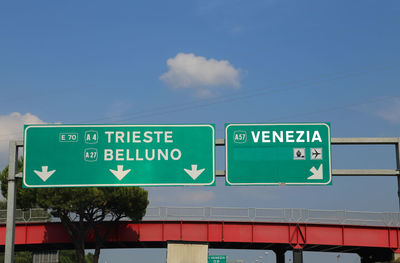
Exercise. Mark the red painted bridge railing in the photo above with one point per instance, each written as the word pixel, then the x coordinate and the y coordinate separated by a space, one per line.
pixel 220 234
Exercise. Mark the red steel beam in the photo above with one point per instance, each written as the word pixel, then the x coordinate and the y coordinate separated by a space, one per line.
pixel 295 235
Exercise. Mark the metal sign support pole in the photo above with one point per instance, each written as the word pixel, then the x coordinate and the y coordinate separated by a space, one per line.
pixel 11 201
pixel 398 168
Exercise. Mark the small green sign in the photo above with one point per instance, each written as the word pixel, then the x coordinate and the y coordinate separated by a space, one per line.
pixel 216 259
pixel 118 155
pixel 276 154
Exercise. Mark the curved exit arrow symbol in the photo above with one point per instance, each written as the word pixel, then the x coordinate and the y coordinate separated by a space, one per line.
pixel 44 174
pixel 194 173
pixel 120 173
pixel 317 174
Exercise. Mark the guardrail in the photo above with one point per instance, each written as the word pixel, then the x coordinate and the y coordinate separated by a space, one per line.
pixel 292 215
pixel 295 215
pixel 29 215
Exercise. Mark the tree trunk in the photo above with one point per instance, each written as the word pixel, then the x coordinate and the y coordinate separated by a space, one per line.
pixel 80 254
pixel 96 255
pixel 101 238
pixel 77 232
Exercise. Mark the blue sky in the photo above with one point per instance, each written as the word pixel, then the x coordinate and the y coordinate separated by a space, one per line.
pixel 213 62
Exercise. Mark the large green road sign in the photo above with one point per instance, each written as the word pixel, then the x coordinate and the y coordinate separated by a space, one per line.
pixel 274 154
pixel 118 155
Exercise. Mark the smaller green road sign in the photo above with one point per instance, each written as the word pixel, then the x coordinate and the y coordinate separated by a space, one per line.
pixel 216 259
pixel 118 155
pixel 275 154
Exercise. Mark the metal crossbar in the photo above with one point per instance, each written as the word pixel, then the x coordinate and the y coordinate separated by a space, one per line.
pixel 354 141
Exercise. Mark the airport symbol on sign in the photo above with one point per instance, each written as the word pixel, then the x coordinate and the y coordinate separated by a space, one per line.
pixel 316 153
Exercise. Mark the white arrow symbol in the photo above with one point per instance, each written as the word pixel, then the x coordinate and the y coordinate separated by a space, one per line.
pixel 44 174
pixel 317 174
pixel 120 173
pixel 194 173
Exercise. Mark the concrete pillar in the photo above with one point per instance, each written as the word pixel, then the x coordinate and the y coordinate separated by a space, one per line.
pixel 280 255
pixel 297 256
pixel 396 256
pixel 187 253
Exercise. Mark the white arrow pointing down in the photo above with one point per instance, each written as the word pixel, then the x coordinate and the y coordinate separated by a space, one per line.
pixel 120 173
pixel 44 174
pixel 194 173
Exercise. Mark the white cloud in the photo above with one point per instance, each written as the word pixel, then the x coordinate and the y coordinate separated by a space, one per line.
pixel 391 111
pixel 202 75
pixel 11 128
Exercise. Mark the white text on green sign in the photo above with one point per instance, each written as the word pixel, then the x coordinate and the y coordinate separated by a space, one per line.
pixel 118 155
pixel 275 154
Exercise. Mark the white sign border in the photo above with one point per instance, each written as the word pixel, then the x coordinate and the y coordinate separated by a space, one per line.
pixel 275 124
pixel 117 126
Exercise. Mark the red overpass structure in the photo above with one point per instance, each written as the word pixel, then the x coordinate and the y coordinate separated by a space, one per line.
pixel 372 243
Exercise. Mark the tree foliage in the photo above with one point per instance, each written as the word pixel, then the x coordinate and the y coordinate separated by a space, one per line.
pixel 20 257
pixel 83 210
pixel 69 256
pixel 25 197
pixel 65 256
pixel 3 204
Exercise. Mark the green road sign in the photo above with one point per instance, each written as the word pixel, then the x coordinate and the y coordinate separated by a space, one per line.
pixel 275 154
pixel 216 259
pixel 118 155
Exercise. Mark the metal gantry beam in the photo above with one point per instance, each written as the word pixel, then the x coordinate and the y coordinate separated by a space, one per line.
pixel 355 172
pixel 366 140
pixel 398 167
pixel 348 172
pixel 365 172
